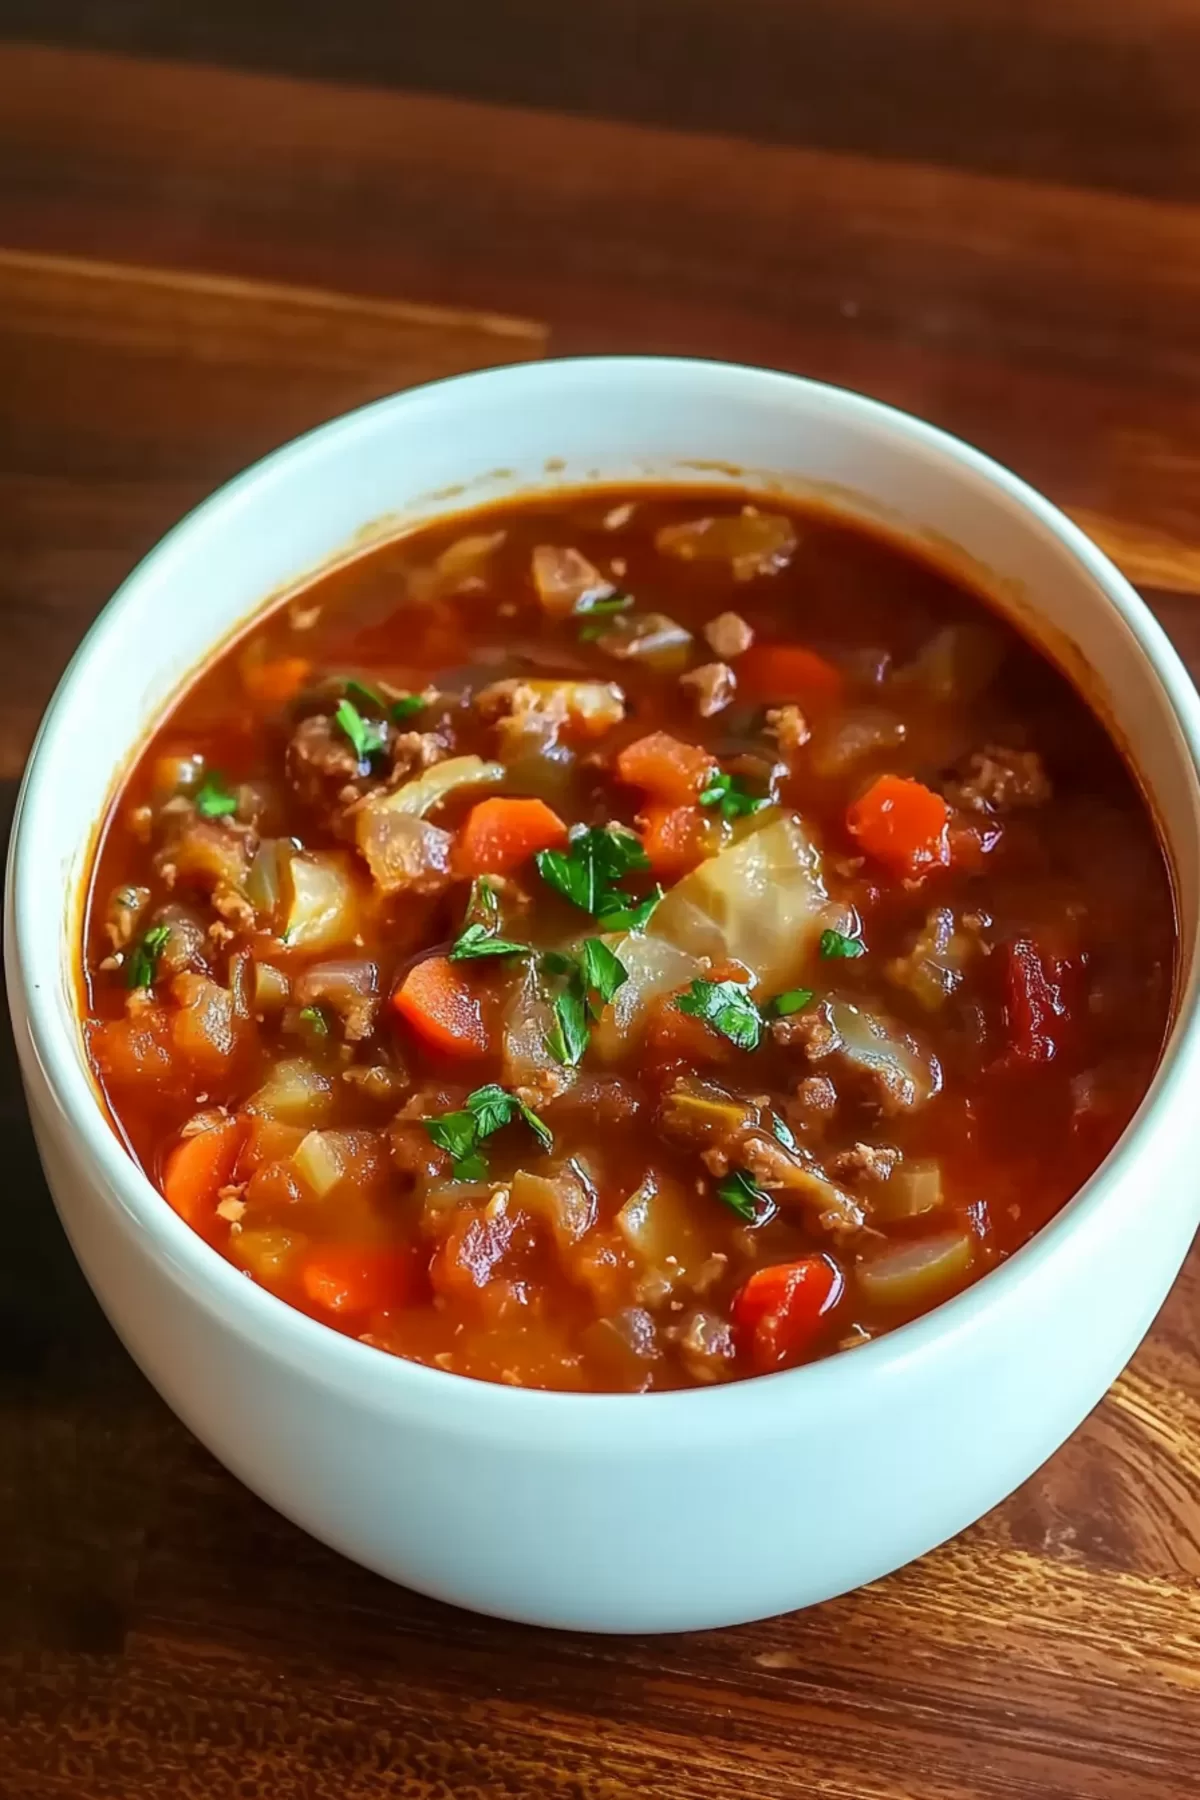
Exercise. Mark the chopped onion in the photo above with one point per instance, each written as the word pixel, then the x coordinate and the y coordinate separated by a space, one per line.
pixel 295 1092
pixel 339 982
pixel 912 1189
pixel 265 880
pixel 435 784
pixel 403 852
pixel 627 1341
pixel 672 1235
pixel 916 1273
pixel 321 901
pixel 320 1161
pixel 933 968
pixel 563 1201
pixel 751 542
pixel 907 1075
pixel 187 940
pixel 649 638
pixel 762 903
pixel 271 988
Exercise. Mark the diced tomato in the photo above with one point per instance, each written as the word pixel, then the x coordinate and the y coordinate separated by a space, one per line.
pixel 500 834
pixel 666 769
pixel 677 838
pixel 778 1312
pixel 348 1279
pixel 788 672
pixel 1037 1008
pixel 437 999
pixel 273 684
pixel 902 824
pixel 674 1038
pixel 200 1166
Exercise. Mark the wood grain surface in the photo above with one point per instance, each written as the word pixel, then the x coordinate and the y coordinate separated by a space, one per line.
pixel 196 262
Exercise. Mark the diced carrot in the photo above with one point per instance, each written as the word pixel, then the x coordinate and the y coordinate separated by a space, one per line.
pixel 357 1278
pixel 199 1166
pixel 778 1311
pixel 902 824
pixel 438 1000
pixel 665 768
pixel 500 834
pixel 676 838
pixel 785 672
pixel 275 683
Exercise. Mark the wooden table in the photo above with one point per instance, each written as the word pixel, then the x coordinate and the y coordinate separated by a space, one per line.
pixel 996 227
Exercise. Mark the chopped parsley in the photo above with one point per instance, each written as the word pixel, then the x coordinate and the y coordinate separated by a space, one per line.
pixel 587 872
pixel 731 797
pixel 362 695
pixel 478 940
pixel 596 614
pixel 368 737
pixel 405 706
pixel 143 963
pixel 742 1194
pixel 727 1007
pixel 836 943
pixel 603 972
pixel 487 1110
pixel 398 708
pixel 315 1020
pixel 793 1001
pixel 568 1037
pixel 213 799
pixel 591 980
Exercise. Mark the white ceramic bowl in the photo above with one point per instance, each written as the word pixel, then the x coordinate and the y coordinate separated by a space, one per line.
pixel 613 1512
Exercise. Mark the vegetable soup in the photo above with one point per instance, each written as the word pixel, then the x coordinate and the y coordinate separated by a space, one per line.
pixel 626 940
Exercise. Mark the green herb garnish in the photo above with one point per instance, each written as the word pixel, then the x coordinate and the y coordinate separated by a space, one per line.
pixel 603 972
pixel 143 963
pixel 727 1007
pixel 404 707
pixel 596 614
pixel 730 796
pixel 315 1019
pixel 363 695
pixel 214 799
pixel 587 873
pixel 783 1005
pixel 742 1194
pixel 568 1038
pixel 783 1132
pixel 478 941
pixel 836 943
pixel 487 1110
pixel 368 737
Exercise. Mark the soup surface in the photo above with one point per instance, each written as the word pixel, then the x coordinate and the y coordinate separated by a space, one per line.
pixel 626 941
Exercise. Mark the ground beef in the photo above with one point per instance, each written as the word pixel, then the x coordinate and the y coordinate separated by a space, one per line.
pixel 789 727
pixel 815 1102
pixel 711 687
pixel 705 1344
pixel 1000 780
pixel 864 1162
pixel 728 634
pixel 810 1032
pixel 321 762
pixel 412 752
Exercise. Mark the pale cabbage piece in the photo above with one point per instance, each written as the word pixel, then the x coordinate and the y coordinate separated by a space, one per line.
pixel 321 900
pixel 916 1272
pixel 564 1201
pixel 653 967
pixel 906 1075
pixel 761 903
pixel 426 791
pixel 675 1241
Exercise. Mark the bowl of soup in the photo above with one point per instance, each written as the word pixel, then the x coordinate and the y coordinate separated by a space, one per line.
pixel 603 962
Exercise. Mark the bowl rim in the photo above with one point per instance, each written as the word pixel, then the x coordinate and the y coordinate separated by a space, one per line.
pixel 582 1421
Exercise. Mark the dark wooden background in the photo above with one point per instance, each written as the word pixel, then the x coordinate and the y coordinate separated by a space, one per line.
pixel 223 222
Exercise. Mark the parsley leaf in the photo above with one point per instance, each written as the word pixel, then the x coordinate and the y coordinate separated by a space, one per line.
pixel 836 943
pixel 487 1110
pixel 790 1002
pixel 730 796
pixel 143 964
pixel 727 1007
pixel 597 614
pixel 477 940
pixel 743 1195
pixel 405 706
pixel 315 1019
pixel 783 1132
pixel 362 695
pixel 368 737
pixel 602 970
pixel 568 1038
pixel 587 871
pixel 632 917
pixel 483 907
pixel 213 799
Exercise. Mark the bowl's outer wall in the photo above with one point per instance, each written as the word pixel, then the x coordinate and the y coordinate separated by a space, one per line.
pixel 629 1513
